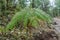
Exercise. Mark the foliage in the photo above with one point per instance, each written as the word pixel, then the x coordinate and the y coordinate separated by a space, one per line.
pixel 42 4
pixel 29 17
pixel 58 3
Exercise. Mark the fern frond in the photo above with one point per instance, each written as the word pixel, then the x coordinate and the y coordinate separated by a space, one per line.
pixel 28 14
pixel 42 15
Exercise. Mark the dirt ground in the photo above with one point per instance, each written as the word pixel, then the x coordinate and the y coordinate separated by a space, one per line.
pixel 56 26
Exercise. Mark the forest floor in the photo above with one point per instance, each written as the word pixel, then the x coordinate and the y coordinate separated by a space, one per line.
pixel 37 34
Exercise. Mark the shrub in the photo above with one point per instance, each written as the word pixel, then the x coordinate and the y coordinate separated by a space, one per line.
pixel 29 17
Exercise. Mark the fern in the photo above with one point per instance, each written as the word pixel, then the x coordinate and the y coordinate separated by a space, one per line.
pixel 28 14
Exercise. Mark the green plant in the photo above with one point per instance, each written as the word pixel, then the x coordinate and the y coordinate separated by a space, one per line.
pixel 29 17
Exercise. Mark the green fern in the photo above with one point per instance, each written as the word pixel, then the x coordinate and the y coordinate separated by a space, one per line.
pixel 28 14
